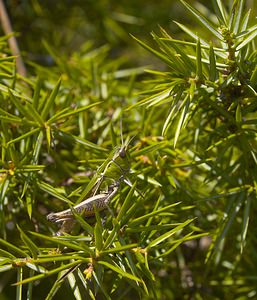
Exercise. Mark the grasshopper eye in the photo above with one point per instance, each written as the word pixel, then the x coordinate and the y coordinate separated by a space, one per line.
pixel 122 153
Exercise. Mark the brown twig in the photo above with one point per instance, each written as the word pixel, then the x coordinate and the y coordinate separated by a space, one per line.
pixel 7 28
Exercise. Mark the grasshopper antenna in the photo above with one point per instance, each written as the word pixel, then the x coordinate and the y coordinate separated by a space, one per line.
pixel 121 133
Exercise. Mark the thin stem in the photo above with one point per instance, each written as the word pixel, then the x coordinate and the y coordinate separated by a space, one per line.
pixel 7 28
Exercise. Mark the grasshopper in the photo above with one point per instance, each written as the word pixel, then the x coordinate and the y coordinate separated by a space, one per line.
pixel 110 173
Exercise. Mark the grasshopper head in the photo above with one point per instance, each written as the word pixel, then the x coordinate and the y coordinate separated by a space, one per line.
pixel 122 159
pixel 122 153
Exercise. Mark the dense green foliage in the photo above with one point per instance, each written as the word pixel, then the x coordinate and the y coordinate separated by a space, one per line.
pixel 181 225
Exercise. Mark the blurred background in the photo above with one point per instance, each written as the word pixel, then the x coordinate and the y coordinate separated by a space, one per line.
pixel 68 24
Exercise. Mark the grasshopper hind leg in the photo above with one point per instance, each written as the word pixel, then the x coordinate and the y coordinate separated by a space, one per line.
pixel 66 227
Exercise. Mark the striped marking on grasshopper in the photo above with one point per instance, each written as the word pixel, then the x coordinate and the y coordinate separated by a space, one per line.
pixel 86 207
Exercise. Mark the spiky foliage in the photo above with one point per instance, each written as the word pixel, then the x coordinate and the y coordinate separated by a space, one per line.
pixel 55 135
pixel 192 158
pixel 208 95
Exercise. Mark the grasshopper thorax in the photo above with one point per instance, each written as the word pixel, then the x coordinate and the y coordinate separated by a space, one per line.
pixel 119 164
